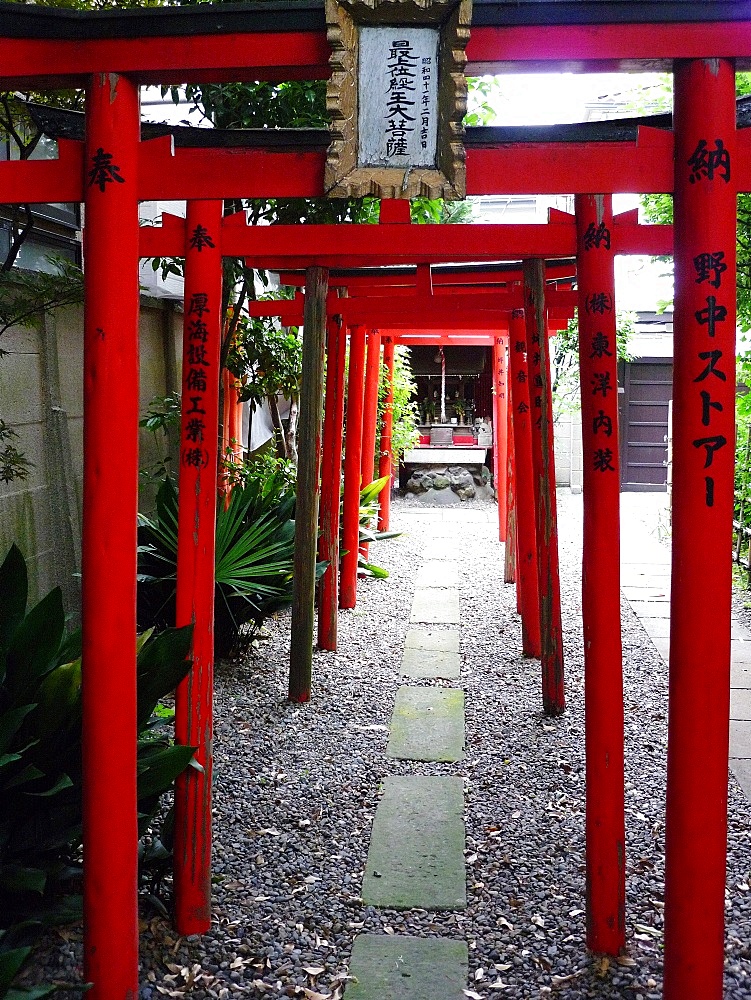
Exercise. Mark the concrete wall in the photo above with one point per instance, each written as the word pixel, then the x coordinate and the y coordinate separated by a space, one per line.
pixel 42 398
pixel 568 451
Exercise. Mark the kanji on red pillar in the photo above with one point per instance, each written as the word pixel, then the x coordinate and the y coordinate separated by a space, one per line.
pixel 509 567
pixel 196 533
pixel 543 463
pixel 110 505
pixel 601 596
pixel 352 471
pixel 385 461
pixel 500 414
pixel 702 515
pixel 331 483
pixel 370 414
pixel 526 531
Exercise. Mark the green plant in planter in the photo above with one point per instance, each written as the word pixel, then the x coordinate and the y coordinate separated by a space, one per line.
pixel 40 759
pixel 367 533
pixel 254 557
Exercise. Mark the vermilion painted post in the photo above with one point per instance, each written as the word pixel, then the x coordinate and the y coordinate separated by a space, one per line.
pixel 110 503
pixel 509 567
pixel 386 458
pixel 196 535
pixel 543 460
pixel 601 594
pixel 702 503
pixel 526 558
pixel 501 412
pixel 331 485
pixel 352 468
pixel 370 413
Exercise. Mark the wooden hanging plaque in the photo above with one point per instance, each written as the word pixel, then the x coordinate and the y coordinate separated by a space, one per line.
pixel 397 96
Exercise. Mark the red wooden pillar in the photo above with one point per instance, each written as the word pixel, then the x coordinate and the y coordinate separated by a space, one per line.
pixel 352 468
pixel 543 460
pixel 110 503
pixel 370 413
pixel 509 568
pixel 331 485
pixel 500 416
pixel 526 556
pixel 601 595
pixel 196 534
pixel 385 461
pixel 703 453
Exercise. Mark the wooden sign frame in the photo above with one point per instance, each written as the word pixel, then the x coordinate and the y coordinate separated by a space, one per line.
pixel 344 178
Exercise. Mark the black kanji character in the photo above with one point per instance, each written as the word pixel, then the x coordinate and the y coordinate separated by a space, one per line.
pixel 522 407
pixel 705 162
pixel 601 346
pixel 712 357
pixel 599 302
pixel 603 458
pixel 706 406
pixel 199 304
pixel 602 422
pixel 194 429
pixel 200 238
pixel 195 400
pixel 538 402
pixel 711 444
pixel 196 379
pixel 709 267
pixel 594 236
pixel 197 354
pixel 519 346
pixel 601 383
pixel 538 381
pixel 197 330
pixel 712 315
pixel 709 491
pixel 521 376
pixel 536 358
pixel 103 170
pixel 195 457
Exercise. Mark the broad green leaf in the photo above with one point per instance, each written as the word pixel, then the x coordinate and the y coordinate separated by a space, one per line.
pixel 17 878
pixel 10 964
pixel 13 594
pixel 162 664
pixel 35 644
pixel 157 774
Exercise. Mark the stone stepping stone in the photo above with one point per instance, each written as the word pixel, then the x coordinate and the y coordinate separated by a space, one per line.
pixel 448 550
pixel 431 653
pixel 438 573
pixel 427 724
pixel 435 607
pixel 421 664
pixel 416 856
pixel 399 967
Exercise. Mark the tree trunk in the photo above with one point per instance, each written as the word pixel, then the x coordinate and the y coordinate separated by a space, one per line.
pixel 291 436
pixel 276 420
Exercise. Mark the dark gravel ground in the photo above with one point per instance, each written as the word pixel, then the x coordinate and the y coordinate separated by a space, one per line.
pixel 297 787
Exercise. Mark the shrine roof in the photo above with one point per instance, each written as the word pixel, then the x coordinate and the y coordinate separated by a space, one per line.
pixel 58 123
pixel 21 20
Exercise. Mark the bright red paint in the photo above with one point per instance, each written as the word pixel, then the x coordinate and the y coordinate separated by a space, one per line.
pixel 110 503
pixel 702 506
pixel 352 468
pixel 196 535
pixel 601 573
pixel 386 457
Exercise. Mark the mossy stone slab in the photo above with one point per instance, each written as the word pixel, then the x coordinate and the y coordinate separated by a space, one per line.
pixel 438 573
pixel 421 664
pixel 427 724
pixel 396 967
pixel 416 856
pixel 442 640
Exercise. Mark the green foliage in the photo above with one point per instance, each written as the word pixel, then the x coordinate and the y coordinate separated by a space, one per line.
pixel 254 557
pixel 268 359
pixel 405 418
pixel 565 361
pixel 41 762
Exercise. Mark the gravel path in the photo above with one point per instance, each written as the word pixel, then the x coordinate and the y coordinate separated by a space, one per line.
pixel 297 787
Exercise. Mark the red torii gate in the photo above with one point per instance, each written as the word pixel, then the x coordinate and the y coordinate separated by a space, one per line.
pixel 189 47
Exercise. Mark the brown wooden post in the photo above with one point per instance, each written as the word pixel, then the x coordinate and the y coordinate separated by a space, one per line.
pixel 541 404
pixel 601 577
pixel 702 505
pixel 308 484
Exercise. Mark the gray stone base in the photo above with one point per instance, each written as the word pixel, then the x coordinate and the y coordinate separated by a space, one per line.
pixel 387 967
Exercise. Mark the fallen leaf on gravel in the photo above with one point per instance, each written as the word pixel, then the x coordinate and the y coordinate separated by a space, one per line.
pixel 498 985
pixel 312 995
pixel 502 922
pixel 388 930
pixel 310 879
pixel 502 968
pixel 472 995
pixel 313 970
pixel 470 860
pixel 258 984
pixel 575 913
pixel 479 974
pixel 559 981
pixel 625 960
pixel 538 921
pixel 601 965
pixel 648 929
pixel 303 822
